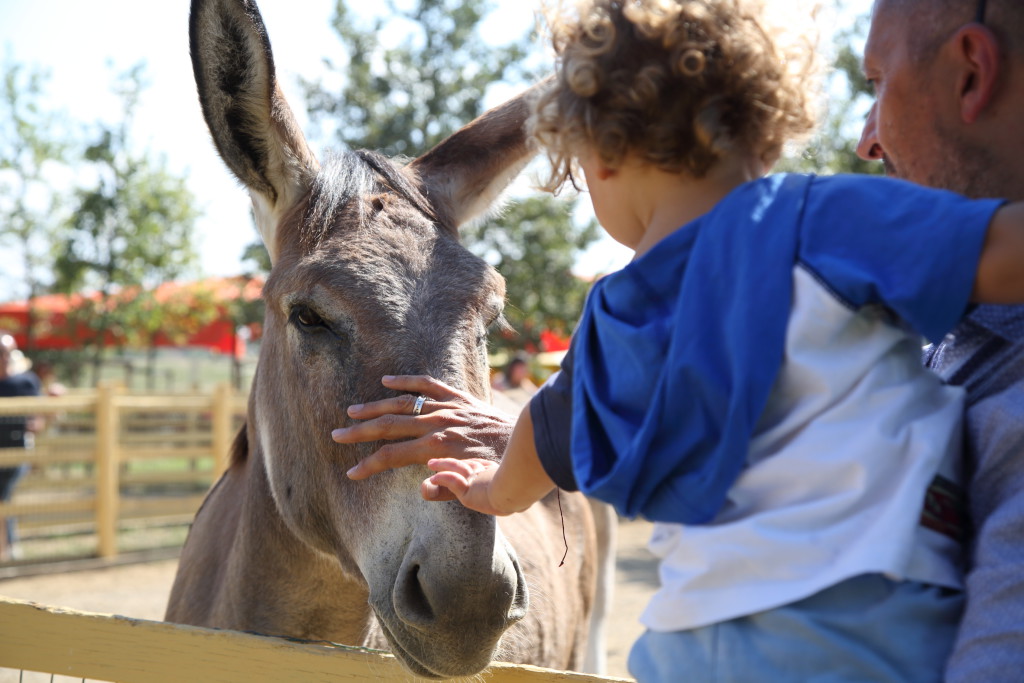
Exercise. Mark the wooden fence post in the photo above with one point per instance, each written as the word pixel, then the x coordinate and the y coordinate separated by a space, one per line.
pixel 221 419
pixel 107 468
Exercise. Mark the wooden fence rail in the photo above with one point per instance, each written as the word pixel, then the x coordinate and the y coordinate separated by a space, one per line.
pixel 96 448
pixel 106 457
pixel 109 648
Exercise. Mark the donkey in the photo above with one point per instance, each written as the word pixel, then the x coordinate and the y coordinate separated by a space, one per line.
pixel 368 279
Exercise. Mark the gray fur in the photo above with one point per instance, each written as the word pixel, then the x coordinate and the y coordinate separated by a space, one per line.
pixel 369 279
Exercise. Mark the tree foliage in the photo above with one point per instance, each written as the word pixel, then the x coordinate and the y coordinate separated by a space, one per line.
pixel 544 244
pixel 257 256
pixel 404 98
pixel 146 318
pixel 833 149
pixel 130 229
pixel 32 148
pixel 133 225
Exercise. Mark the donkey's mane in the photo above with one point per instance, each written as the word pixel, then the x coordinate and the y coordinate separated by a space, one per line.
pixel 347 175
pixel 399 182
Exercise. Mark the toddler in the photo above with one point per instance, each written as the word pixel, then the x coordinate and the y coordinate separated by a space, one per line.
pixel 752 380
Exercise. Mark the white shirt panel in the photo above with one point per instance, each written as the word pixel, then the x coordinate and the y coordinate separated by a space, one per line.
pixel 854 431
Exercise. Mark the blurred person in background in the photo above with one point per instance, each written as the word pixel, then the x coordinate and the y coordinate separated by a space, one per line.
pixel 50 385
pixel 514 380
pixel 16 432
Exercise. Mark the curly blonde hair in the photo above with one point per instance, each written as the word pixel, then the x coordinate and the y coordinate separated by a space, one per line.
pixel 673 83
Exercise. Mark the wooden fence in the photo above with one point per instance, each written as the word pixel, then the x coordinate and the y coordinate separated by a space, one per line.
pixel 109 648
pixel 108 461
pixel 109 458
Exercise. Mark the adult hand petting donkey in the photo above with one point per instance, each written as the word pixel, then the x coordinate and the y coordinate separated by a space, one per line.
pixel 450 424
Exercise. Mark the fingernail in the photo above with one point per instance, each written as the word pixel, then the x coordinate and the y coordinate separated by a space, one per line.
pixel 352 472
pixel 387 378
pixel 339 433
pixel 355 409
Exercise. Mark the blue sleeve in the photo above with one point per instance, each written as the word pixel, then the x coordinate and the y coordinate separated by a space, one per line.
pixel 33 385
pixel 913 249
pixel 551 412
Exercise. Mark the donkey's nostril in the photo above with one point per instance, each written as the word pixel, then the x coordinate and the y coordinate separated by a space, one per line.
pixel 411 601
pixel 521 602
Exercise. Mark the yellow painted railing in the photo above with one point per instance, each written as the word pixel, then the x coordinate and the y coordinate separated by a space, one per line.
pixel 106 457
pixel 110 648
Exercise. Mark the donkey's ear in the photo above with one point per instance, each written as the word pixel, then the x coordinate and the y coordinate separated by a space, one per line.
pixel 465 173
pixel 252 126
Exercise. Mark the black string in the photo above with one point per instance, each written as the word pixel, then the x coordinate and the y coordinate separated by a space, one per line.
pixel 558 495
pixel 981 12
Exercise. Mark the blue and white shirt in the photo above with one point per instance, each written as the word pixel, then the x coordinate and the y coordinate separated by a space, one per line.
pixel 754 384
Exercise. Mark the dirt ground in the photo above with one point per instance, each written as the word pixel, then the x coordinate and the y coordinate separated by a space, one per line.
pixel 141 590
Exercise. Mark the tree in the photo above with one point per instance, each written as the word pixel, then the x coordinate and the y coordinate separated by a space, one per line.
pixel 246 310
pixel 32 151
pixel 129 231
pixel 833 149
pixel 257 255
pixel 544 243
pixel 147 318
pixel 404 99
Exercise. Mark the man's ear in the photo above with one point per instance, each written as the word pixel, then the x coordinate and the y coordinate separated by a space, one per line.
pixel 977 50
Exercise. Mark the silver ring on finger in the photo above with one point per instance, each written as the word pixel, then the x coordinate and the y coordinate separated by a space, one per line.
pixel 417 407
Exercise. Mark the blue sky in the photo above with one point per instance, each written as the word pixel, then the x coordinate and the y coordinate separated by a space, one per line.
pixel 84 45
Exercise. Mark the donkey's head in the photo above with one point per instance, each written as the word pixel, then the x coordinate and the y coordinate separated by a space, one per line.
pixel 368 279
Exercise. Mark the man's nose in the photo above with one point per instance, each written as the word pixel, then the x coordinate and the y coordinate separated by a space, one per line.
pixel 869 149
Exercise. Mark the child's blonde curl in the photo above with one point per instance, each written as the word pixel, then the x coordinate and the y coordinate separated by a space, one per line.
pixel 673 83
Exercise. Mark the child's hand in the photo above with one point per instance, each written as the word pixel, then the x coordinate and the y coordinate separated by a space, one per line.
pixel 493 488
pixel 467 480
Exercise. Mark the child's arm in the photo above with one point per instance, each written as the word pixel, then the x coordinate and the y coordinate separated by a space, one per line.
pixel 512 485
pixel 1000 277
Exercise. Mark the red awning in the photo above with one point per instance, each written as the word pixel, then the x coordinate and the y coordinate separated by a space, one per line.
pixel 53 330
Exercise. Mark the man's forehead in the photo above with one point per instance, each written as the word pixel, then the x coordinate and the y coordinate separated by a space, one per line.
pixel 876 37
pixel 887 31
pixel 891 9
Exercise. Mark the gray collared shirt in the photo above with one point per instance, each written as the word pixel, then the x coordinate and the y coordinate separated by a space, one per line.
pixel 985 354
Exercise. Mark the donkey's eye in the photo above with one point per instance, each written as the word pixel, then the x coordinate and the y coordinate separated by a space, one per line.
pixel 499 323
pixel 306 317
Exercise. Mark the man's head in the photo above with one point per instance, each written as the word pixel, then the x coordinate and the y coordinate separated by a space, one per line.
pixel 7 347
pixel 516 371
pixel 949 87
